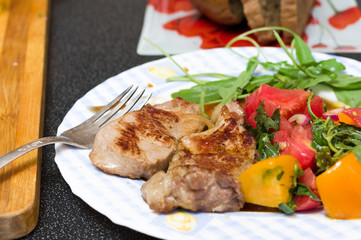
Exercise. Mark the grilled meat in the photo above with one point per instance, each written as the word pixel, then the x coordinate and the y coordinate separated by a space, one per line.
pixel 143 142
pixel 203 174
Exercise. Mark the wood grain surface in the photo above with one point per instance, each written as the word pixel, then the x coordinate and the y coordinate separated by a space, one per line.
pixel 23 36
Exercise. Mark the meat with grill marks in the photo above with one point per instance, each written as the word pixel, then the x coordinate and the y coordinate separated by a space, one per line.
pixel 203 175
pixel 143 142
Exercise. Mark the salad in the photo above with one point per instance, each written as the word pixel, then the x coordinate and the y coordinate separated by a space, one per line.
pixel 310 150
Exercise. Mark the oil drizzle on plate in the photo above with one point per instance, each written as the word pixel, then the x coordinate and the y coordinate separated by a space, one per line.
pixel 181 221
pixel 161 71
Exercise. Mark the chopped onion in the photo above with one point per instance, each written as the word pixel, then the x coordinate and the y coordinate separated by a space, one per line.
pixel 300 119
pixel 333 114
pixel 333 117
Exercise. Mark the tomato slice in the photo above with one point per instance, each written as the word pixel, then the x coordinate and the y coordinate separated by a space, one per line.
pixel 308 178
pixel 289 102
pixel 316 107
pixel 293 140
pixel 305 203
pixel 298 144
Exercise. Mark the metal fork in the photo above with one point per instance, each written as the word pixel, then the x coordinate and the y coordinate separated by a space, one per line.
pixel 83 135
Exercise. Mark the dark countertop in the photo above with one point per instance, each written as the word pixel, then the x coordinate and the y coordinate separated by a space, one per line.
pixel 89 41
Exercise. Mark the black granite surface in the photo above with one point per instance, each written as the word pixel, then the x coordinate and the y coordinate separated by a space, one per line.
pixel 89 41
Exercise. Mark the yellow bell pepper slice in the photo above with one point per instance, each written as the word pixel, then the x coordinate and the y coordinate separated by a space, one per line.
pixel 267 182
pixel 340 188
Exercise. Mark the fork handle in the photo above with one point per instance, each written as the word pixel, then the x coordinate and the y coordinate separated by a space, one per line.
pixel 14 154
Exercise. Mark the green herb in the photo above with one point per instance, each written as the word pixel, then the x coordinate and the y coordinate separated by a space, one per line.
pixel 290 206
pixel 202 104
pixel 264 133
pixel 303 53
pixel 304 190
pixel 279 176
pixel 239 84
pixel 287 208
pixel 350 97
pixel 332 140
pixel 266 148
pixel 357 151
pixel 210 88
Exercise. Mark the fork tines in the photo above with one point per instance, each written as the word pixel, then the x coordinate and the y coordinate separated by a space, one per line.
pixel 132 98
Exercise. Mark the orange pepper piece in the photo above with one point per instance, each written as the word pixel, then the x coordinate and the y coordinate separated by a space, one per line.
pixel 340 188
pixel 346 119
pixel 267 182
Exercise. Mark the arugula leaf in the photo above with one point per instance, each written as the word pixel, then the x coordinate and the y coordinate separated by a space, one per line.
pixel 258 81
pixel 211 88
pixel 348 96
pixel 330 65
pixel 276 66
pixel 265 123
pixel 287 208
pixel 239 84
pixel 265 147
pixel 290 206
pixel 303 52
pixel 304 190
pixel 357 152
pixel 201 104
pixel 314 81
pixel 264 133
pixel 332 141
pixel 304 72
pixel 344 81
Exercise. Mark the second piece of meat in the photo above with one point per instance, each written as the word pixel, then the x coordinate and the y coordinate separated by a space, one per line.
pixel 203 174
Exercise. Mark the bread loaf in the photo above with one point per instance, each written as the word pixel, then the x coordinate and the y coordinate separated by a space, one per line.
pixel 291 14
pixel 221 11
pixel 262 13
pixel 295 15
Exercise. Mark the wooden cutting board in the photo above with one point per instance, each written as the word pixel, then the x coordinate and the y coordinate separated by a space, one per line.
pixel 23 40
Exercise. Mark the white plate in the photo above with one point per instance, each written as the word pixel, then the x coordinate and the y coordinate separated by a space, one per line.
pixel 120 198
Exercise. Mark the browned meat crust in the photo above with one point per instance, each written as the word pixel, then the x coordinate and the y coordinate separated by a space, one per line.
pixel 203 174
pixel 143 142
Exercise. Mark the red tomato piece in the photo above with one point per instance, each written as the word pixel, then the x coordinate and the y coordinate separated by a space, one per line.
pixel 354 114
pixel 308 178
pixel 285 125
pixel 299 146
pixel 289 102
pixel 304 203
pixel 251 120
pixel 281 138
pixel 316 107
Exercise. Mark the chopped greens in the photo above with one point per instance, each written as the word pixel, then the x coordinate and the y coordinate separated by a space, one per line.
pixel 290 206
pixel 332 140
pixel 227 94
pixel 266 127
pixel 304 190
